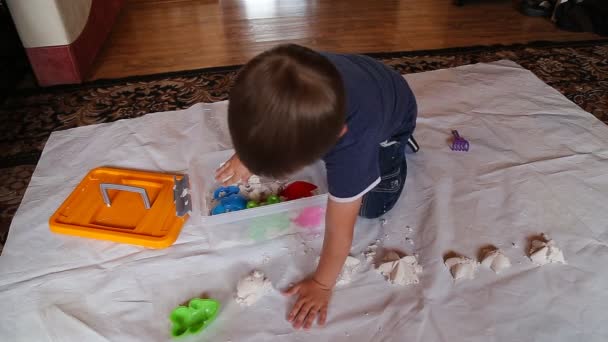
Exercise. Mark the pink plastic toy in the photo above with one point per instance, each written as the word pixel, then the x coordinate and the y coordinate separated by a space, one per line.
pixel 459 143
pixel 310 217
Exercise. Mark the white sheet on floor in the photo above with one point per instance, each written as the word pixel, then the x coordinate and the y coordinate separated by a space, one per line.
pixel 538 163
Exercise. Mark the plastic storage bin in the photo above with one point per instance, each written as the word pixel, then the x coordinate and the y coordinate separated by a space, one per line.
pixel 260 223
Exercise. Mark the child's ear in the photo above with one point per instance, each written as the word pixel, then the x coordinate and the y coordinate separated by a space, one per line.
pixel 343 131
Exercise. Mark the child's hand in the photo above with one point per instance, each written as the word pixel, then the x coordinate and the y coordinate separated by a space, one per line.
pixel 313 298
pixel 233 171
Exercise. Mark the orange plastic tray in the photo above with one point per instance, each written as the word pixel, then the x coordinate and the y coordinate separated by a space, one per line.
pixel 125 218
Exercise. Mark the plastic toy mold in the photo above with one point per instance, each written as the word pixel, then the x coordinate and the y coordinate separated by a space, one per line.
pixel 193 318
pixel 229 199
pixel 225 191
pixel 273 199
pixel 298 189
pixel 230 203
pixel 310 217
pixel 459 143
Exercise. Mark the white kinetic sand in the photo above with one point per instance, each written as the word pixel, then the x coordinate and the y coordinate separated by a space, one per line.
pixel 400 271
pixel 370 253
pixel 257 190
pixel 462 267
pixel 351 266
pixel 544 251
pixel 495 260
pixel 253 190
pixel 251 288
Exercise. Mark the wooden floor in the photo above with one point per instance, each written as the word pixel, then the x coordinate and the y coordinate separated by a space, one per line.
pixel 153 36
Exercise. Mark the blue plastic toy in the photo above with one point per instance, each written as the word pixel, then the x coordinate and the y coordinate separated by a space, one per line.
pixel 225 191
pixel 230 203
pixel 229 199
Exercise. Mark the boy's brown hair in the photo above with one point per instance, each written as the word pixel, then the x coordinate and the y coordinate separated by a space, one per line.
pixel 286 110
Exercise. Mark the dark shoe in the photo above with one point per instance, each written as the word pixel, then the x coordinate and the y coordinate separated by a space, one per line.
pixel 536 8
pixel 413 144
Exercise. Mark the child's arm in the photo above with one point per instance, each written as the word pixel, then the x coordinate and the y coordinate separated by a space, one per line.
pixel 233 171
pixel 340 222
pixel 314 293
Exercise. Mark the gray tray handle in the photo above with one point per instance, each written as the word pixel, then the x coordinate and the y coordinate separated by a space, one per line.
pixel 104 187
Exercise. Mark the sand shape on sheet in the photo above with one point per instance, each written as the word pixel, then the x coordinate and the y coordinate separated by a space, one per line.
pixel 400 270
pixel 545 251
pixel 462 267
pixel 496 260
pixel 251 288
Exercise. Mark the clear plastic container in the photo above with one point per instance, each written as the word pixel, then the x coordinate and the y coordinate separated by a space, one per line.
pixel 203 185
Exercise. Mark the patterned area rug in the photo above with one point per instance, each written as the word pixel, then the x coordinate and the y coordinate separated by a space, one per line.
pixel 578 69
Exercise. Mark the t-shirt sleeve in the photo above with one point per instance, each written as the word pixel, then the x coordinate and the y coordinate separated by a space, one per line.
pixel 352 171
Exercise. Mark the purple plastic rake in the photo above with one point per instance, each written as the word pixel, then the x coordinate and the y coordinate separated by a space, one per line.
pixel 459 143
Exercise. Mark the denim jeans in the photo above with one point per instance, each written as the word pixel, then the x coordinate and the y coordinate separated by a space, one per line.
pixel 393 171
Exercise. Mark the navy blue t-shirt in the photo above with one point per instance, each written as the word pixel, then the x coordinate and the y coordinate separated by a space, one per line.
pixel 379 105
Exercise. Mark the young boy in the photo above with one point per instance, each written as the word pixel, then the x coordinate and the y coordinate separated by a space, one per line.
pixel 291 106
